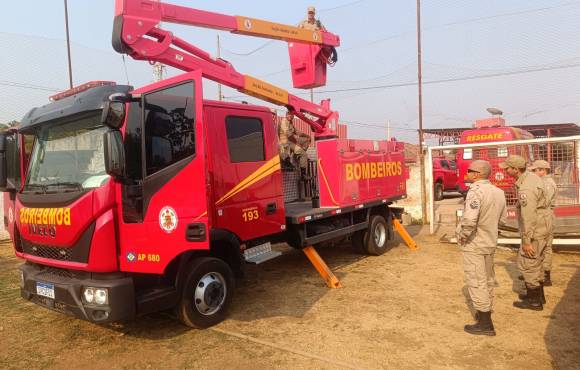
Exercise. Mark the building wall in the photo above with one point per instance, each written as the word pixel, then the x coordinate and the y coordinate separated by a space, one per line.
pixel 412 204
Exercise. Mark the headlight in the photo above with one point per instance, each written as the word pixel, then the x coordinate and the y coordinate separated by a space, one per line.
pixel 98 296
pixel 89 295
pixel 101 296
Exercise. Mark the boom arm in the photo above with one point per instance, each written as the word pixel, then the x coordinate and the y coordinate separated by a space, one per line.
pixel 136 33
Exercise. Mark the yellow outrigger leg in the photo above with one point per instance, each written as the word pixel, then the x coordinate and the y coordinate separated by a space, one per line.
pixel 322 268
pixel 404 234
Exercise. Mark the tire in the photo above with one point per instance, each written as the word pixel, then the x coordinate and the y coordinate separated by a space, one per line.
pixel 438 191
pixel 359 241
pixel 376 238
pixel 206 294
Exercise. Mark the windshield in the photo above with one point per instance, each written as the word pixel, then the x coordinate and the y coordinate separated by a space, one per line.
pixel 68 156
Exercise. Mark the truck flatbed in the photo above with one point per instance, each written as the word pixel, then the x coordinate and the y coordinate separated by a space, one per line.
pixel 302 211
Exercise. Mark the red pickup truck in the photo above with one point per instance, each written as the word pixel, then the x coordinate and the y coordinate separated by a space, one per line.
pixel 444 176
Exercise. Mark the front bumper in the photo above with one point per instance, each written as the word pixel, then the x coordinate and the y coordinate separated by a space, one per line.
pixel 68 286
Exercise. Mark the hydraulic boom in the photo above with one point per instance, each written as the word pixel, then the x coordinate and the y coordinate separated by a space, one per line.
pixel 137 34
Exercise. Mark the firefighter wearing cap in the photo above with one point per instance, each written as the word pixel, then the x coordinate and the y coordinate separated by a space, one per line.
pixel 542 169
pixel 292 144
pixel 311 23
pixel 484 210
pixel 535 224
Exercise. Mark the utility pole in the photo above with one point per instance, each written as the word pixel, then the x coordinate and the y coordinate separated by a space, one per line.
pixel 421 137
pixel 70 78
pixel 312 95
pixel 389 129
pixel 220 96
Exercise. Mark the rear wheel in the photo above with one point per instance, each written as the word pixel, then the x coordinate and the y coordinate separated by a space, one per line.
pixel 438 191
pixel 207 293
pixel 374 240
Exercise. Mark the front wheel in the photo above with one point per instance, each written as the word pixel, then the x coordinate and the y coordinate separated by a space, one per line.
pixel 438 191
pixel 207 293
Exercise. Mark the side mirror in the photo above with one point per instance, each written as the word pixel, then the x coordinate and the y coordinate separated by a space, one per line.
pixel 3 162
pixel 113 114
pixel 9 164
pixel 114 154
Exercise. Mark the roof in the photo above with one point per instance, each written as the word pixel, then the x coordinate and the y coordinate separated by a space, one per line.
pixel 541 130
pixel 88 100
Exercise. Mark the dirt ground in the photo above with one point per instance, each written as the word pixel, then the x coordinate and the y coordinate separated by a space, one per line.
pixel 405 309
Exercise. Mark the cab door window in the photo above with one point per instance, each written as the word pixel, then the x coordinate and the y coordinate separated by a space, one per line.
pixel 169 127
pixel 245 139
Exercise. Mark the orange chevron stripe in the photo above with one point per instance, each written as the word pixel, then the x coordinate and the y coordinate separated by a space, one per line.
pixel 200 216
pixel 265 170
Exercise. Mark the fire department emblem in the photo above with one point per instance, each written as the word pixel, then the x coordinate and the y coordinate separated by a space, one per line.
pixel 499 176
pixel 168 219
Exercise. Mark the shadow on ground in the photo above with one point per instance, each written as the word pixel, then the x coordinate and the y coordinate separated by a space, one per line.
pixel 287 286
pixel 562 335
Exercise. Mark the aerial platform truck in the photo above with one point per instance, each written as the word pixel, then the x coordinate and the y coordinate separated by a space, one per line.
pixel 126 201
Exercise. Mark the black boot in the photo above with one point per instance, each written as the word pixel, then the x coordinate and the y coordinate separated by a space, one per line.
pixel 523 296
pixel 484 325
pixel 547 279
pixel 533 300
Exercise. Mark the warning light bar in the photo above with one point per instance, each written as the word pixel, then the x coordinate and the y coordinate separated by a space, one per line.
pixel 80 88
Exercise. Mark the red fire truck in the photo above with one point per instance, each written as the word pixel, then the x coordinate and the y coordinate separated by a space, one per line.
pixel 487 131
pixel 139 200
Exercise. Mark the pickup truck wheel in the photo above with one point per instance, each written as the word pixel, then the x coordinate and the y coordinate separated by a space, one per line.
pixel 207 293
pixel 375 239
pixel 438 191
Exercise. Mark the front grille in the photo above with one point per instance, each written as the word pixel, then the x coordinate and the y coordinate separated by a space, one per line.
pixel 78 252
pixel 58 272
pixel 46 251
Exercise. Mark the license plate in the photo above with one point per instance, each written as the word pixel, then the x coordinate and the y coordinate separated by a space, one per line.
pixel 45 289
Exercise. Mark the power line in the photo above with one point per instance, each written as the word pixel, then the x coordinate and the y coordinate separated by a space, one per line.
pixel 29 86
pixel 465 78
pixel 340 6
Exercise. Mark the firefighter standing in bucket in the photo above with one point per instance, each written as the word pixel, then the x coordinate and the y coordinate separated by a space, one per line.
pixel 311 23
pixel 542 169
pixel 535 225
pixel 484 210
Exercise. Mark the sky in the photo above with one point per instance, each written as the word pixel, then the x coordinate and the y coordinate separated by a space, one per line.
pixel 521 56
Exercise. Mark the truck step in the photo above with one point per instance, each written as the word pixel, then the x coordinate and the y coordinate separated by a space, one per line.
pixel 260 253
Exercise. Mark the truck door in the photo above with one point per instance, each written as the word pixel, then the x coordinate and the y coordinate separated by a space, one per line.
pixel 246 178
pixel 163 201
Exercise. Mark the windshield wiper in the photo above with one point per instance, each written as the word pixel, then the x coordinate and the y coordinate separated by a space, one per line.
pixel 34 186
pixel 68 186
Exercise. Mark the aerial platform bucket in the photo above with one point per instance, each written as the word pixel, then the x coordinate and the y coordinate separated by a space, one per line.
pixel 308 65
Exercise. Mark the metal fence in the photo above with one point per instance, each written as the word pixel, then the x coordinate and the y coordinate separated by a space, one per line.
pixel 563 154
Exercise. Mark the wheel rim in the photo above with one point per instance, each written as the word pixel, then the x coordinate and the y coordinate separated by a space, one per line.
pixel 210 293
pixel 380 235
